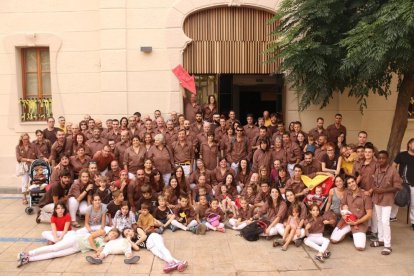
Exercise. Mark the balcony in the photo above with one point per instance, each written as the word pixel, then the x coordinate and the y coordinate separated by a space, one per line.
pixel 35 109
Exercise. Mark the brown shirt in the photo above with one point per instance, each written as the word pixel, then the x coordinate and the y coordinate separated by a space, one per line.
pixel 77 164
pixel 162 159
pixel 134 159
pixel 295 185
pixel 319 153
pixel 334 132
pixel 366 171
pixel 311 169
pixel 87 149
pixel 238 150
pixel 271 213
pixel 96 145
pixel 196 128
pixel 219 132
pixel 208 113
pixel 251 131
pixel 385 178
pixel 201 210
pixel 103 162
pixel 262 158
pixel 120 149
pixel 218 177
pixel 317 225
pixel 182 152
pixel 54 178
pixel 293 152
pixel 134 193
pixel 42 149
pixel 191 110
pixel 186 214
pixel 315 132
pixel 28 153
pixel 112 135
pixel 58 150
pixel 77 188
pixel 209 154
pixel 279 155
pixel 245 214
pixel 358 205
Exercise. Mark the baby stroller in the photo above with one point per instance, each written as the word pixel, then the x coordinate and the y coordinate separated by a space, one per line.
pixel 39 173
pixel 321 199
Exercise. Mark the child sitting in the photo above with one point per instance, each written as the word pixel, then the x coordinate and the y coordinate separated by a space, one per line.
pixel 145 220
pixel 226 200
pixel 170 199
pixel 310 146
pixel 124 218
pixel 185 216
pixel 60 223
pixel 292 224
pixel 347 216
pixel 103 190
pixel 39 180
pixel 114 205
pixel 244 215
pixel 316 198
pixel 214 217
pixel 148 198
pixel 163 214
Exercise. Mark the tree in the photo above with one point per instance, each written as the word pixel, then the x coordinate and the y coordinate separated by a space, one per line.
pixel 348 46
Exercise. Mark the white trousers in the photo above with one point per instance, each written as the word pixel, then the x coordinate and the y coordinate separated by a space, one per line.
pixel 373 221
pixel 233 222
pixel 49 236
pixel 359 238
pixel 83 230
pixel 67 246
pixel 155 243
pixel 209 226
pixel 277 229
pixel 394 211
pixel 317 242
pixel 46 212
pixel 235 167
pixel 119 246
pixel 74 206
pixel 25 182
pixel 182 226
pixel 383 219
pixel 290 169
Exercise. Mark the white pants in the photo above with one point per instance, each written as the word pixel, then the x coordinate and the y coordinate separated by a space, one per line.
pixel 394 211
pixel 290 169
pixel 186 169
pixel 131 176
pixel 233 222
pixel 25 182
pixel 166 178
pixel 360 238
pixel 46 212
pixel 155 243
pixel 49 236
pixel 302 233
pixel 373 221
pixel 235 167
pixel 412 205
pixel 277 229
pixel 317 242
pixel 74 205
pixel 209 226
pixel 67 246
pixel 182 226
pixel 383 219
pixel 83 230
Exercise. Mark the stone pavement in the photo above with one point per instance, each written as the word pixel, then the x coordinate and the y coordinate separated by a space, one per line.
pixel 212 254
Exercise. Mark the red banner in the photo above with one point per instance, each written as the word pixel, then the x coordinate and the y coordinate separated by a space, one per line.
pixel 185 79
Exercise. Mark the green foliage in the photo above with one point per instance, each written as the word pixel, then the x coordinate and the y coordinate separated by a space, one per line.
pixel 330 45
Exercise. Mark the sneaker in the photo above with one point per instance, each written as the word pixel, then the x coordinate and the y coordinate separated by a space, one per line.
pixel 93 260
pixel 132 260
pixel 170 267
pixel 182 266
pixel 327 254
pixel 160 230
pixel 393 219
pixel 173 228
pixel 193 229
pixel 229 226
pixel 320 259
pixel 201 229
pixel 298 242
pixel 22 259
pixel 222 230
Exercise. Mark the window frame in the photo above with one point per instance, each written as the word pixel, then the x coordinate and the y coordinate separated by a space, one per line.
pixel 40 94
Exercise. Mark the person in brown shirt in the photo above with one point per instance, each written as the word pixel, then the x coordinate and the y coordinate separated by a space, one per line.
pixel 319 129
pixel 170 134
pixel 262 195
pixel 197 126
pixel 79 139
pixel 238 149
pixel 219 173
pixel 363 171
pixel 310 166
pixel 360 205
pixel 162 157
pixel 114 173
pixel 59 148
pixel 209 152
pixel 96 143
pixel 386 183
pixel 42 146
pixel 25 152
pixel 122 145
pixel 103 159
pixel 336 129
pixel 262 157
pixel 262 135
pixel 183 153
pixel 278 153
pixel 296 184
pixel 79 161
pixel 220 131
pixel 134 157
pixel 191 107
pixel 50 132
pixel 185 216
pixel 148 128
pixel 293 152
pixel 77 196
pixel 321 149
pixel 273 210
pixel 250 129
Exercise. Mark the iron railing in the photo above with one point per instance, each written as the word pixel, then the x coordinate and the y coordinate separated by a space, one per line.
pixel 35 109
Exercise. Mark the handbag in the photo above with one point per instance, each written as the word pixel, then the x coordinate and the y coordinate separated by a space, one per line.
pixel 21 168
pixel 403 197
pixel 213 219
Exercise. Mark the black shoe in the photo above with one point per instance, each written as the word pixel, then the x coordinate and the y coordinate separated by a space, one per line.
pixel 93 260
pixel 132 260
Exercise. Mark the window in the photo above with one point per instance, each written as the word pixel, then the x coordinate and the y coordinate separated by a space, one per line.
pixel 411 106
pixel 36 103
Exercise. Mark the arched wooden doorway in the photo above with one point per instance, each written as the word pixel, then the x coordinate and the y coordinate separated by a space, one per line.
pixel 227 56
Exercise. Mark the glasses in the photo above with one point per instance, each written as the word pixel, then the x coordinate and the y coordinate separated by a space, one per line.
pixel 239 130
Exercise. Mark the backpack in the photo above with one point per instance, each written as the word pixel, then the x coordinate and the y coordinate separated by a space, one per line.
pixel 252 231
pixel 403 197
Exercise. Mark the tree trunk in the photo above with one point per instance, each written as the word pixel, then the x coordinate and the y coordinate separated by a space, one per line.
pixel 400 121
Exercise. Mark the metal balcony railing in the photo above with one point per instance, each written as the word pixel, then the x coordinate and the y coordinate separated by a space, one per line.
pixel 35 109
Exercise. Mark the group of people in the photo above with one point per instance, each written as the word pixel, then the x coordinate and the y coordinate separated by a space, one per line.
pixel 204 171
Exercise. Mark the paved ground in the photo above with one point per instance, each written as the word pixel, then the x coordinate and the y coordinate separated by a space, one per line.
pixel 212 254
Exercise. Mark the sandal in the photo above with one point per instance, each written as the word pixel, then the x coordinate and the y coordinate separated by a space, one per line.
pixel 24 201
pixel 320 258
pixel 327 254
pixel 386 251
pixel 75 224
pixel 376 244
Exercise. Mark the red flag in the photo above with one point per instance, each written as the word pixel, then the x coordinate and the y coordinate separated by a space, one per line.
pixel 185 79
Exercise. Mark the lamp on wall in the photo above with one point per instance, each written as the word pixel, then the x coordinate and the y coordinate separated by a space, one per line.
pixel 146 49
